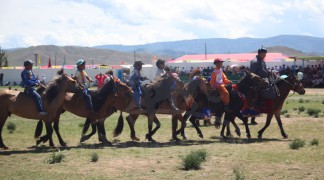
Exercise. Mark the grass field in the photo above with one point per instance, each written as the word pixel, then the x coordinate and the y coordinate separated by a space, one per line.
pixel 238 157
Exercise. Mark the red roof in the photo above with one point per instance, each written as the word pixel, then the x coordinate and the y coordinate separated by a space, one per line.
pixel 231 57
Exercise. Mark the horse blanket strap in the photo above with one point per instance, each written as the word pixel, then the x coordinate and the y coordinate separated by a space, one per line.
pixel 242 96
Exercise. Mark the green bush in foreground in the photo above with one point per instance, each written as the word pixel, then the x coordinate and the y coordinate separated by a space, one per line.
pixel 239 174
pixel 313 112
pixel 56 157
pixel 284 112
pixel 296 144
pixel 194 159
pixel 11 127
pixel 94 157
pixel 314 142
pixel 301 108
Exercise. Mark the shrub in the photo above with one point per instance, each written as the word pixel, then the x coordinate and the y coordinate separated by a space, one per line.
pixel 314 142
pixel 322 101
pixel 296 144
pixel 287 115
pixel 301 108
pixel 11 127
pixel 287 102
pixel 301 100
pixel 239 174
pixel 94 157
pixel 313 112
pixel 307 100
pixel 194 159
pixel 56 157
pixel 81 125
pixel 295 109
pixel 283 112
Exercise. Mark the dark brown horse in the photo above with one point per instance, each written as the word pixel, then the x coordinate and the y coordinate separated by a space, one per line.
pixel 20 104
pixel 273 107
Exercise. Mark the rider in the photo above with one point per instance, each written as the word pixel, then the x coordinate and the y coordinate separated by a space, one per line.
pixel 218 80
pixel 135 81
pixel 29 81
pixel 81 77
pixel 160 64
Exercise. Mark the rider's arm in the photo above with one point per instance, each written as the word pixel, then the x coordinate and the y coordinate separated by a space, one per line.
pixel 225 80
pixel 254 67
pixel 27 80
pixel 212 79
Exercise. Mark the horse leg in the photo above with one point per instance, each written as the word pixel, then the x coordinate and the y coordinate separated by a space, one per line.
pixel 269 117
pixel 86 126
pixel 49 133
pixel 150 118
pixel 102 133
pixel 157 123
pixel 225 124
pixel 284 135
pixel 253 122
pixel 245 122
pixel 131 119
pixel 86 137
pixel 193 122
pixel 57 131
pixel 185 118
pixel 3 121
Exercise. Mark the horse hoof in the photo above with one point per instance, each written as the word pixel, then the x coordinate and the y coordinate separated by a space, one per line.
pixel 83 138
pixel 106 143
pixel 4 147
pixel 285 136
pixel 184 138
pixel 176 139
pixel 63 144
pixel 248 136
pixel 224 137
pixel 38 142
pixel 238 133
pixel 201 136
pixel 260 136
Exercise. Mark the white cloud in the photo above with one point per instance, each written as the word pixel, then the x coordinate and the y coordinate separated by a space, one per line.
pixel 96 22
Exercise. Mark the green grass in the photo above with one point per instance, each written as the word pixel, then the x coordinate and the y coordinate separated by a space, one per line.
pixel 314 142
pixel 11 127
pixel 238 173
pixel 269 158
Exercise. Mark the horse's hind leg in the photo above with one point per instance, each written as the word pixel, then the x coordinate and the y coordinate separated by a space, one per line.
pixel 49 133
pixel 57 131
pixel 192 119
pixel 150 118
pixel 86 137
pixel 284 135
pixel 131 119
pixel 269 117
pixel 245 122
pixel 185 118
pixel 2 122
pixel 225 124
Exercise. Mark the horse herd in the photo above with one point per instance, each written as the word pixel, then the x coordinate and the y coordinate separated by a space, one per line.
pixel 62 95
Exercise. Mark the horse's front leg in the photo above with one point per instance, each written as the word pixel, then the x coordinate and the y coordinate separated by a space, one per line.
pixel 49 133
pixel 150 118
pixel 94 130
pixel 131 119
pixel 269 117
pixel 278 118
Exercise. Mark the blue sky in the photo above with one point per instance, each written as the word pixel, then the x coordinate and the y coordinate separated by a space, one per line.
pixel 98 22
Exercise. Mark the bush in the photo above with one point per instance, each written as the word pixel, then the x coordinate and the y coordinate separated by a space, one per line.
pixel 307 100
pixel 301 100
pixel 11 127
pixel 295 109
pixel 322 101
pixel 283 112
pixel 56 157
pixel 81 125
pixel 296 144
pixel 301 108
pixel 314 142
pixel 239 174
pixel 94 157
pixel 287 115
pixel 313 112
pixel 194 159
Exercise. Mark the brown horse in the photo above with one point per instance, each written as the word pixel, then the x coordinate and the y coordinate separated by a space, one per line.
pixel 20 104
pixel 113 95
pixel 284 86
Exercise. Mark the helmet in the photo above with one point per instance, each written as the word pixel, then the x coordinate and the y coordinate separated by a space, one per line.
pixel 262 50
pixel 218 60
pixel 80 62
pixel 28 62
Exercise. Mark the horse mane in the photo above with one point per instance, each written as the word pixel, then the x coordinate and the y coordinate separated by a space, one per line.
pixel 52 89
pixel 99 97
pixel 199 84
pixel 160 82
pixel 194 72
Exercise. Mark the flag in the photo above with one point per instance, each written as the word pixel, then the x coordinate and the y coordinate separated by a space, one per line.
pixel 49 63
pixel 123 62
pixel 63 62
pixel 38 59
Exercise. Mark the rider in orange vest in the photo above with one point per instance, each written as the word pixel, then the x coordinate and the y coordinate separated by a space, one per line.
pixel 218 80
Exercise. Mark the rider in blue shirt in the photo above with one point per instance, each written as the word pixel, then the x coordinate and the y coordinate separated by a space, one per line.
pixel 29 82
pixel 136 79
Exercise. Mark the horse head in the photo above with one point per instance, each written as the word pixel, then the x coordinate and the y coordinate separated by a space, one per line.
pixel 197 85
pixel 296 85
pixel 123 94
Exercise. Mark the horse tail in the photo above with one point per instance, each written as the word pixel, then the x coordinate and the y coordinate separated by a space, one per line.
pixel 120 125
pixel 39 129
pixel 86 126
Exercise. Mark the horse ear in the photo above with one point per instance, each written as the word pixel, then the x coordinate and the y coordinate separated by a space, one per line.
pixel 60 72
pixel 248 73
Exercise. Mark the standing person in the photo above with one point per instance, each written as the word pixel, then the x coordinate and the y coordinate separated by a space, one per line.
pixel 100 79
pixel 136 79
pixel 160 64
pixel 29 82
pixel 218 80
pixel 81 77
pixel 1 79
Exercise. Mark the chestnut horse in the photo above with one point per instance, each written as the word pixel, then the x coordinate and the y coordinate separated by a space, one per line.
pixel 20 104
pixel 113 95
pixel 284 86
